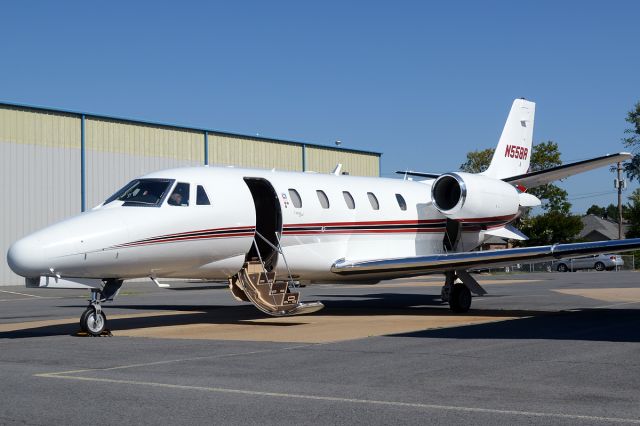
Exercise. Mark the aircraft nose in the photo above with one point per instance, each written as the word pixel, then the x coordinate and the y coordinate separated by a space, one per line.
pixel 25 259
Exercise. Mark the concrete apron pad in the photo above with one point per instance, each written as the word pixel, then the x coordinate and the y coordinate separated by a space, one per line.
pixel 316 328
pixel 606 294
pixel 330 326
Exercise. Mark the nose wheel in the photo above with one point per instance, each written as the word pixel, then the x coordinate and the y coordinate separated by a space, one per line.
pixel 93 320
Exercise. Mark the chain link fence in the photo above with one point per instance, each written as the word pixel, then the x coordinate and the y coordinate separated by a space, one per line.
pixel 623 263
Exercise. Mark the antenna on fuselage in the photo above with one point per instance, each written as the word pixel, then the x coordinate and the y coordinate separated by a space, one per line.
pixel 337 170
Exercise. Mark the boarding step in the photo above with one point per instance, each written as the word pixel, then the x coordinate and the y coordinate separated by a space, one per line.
pixel 253 267
pixel 268 295
pixel 279 287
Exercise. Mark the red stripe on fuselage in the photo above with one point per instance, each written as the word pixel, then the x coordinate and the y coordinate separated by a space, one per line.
pixel 195 237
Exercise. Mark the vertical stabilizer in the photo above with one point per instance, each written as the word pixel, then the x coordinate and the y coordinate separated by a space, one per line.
pixel 513 153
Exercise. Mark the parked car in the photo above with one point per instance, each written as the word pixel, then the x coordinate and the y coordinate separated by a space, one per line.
pixel 599 262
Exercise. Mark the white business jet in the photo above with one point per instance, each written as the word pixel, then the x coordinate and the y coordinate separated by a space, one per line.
pixel 268 231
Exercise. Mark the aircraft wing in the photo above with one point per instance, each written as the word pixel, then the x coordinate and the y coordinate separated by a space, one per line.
pixel 421 265
pixel 533 179
pixel 419 174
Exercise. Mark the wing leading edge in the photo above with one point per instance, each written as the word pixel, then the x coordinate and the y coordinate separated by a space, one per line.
pixel 420 265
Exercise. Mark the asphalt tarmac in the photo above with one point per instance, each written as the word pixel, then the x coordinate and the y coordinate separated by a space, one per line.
pixel 545 348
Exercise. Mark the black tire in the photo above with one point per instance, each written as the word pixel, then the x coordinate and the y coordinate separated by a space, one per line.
pixel 83 320
pixel 562 268
pixel 92 324
pixel 599 266
pixel 460 299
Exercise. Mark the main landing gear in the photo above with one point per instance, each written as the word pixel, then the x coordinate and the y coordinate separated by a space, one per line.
pixel 458 294
pixel 93 320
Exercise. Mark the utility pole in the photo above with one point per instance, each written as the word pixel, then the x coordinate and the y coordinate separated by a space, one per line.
pixel 619 185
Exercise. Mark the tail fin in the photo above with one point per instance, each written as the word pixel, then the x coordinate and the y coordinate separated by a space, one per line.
pixel 513 153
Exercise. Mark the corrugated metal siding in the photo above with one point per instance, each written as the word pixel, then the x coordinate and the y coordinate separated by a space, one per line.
pixel 40 186
pixel 324 160
pixel 25 126
pixel 40 174
pixel 144 140
pixel 254 153
pixel 118 152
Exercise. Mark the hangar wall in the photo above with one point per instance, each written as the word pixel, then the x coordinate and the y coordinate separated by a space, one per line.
pixel 55 162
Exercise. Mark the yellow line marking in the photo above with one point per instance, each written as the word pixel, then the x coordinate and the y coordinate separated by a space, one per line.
pixel 374 402
pixel 170 361
pixel 29 298
pixel 23 294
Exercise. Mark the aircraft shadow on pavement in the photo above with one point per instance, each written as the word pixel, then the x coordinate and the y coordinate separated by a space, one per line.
pixel 616 325
pixel 604 325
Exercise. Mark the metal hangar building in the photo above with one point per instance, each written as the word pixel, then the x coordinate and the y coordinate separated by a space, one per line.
pixel 57 163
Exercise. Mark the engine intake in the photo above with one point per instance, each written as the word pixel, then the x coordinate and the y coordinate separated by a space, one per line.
pixel 465 196
pixel 447 191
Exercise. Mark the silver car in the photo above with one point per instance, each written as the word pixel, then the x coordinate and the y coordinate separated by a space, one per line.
pixel 599 262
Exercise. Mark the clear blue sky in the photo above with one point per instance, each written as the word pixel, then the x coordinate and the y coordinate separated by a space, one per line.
pixel 423 82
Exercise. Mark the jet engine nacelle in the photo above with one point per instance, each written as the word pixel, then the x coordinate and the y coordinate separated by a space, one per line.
pixel 464 195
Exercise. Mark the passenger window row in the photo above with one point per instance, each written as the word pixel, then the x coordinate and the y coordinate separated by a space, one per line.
pixel 296 200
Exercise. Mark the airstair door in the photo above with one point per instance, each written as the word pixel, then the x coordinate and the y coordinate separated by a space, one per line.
pixel 268 222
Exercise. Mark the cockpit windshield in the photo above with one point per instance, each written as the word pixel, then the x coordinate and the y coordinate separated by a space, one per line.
pixel 142 192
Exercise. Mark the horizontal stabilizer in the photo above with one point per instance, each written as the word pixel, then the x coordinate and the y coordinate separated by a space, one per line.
pixel 421 265
pixel 419 174
pixel 542 177
pixel 508 232
pixel 528 200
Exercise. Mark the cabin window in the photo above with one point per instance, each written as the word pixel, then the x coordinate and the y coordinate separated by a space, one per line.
pixel 349 200
pixel 142 192
pixel 373 200
pixel 180 195
pixel 201 197
pixel 295 198
pixel 322 197
pixel 401 202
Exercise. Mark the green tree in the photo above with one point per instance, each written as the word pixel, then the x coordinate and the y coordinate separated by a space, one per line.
pixel 633 215
pixel 610 212
pixel 632 140
pixel 550 228
pixel 477 161
pixel 543 156
pixel 597 211
pixel 554 199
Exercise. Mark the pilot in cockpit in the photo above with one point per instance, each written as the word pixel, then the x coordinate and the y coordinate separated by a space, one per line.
pixel 175 199
pixel 180 195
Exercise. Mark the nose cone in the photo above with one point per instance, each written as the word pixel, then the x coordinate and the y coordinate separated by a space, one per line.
pixel 62 248
pixel 25 258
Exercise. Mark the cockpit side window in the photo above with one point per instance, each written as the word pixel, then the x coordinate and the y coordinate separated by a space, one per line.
pixel 201 197
pixel 180 195
pixel 142 192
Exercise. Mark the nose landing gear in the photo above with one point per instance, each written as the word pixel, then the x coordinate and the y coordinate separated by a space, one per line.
pixel 93 320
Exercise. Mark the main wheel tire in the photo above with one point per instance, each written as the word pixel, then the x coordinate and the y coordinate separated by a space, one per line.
pixel 562 268
pixel 83 319
pixel 599 266
pixel 91 323
pixel 445 293
pixel 460 298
